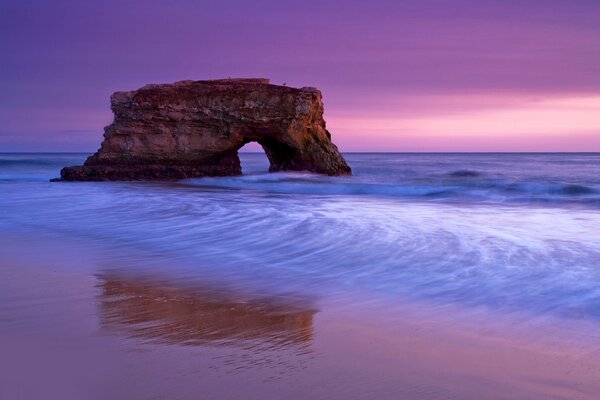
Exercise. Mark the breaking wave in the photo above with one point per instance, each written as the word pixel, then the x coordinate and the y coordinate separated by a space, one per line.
pixel 460 186
pixel 509 232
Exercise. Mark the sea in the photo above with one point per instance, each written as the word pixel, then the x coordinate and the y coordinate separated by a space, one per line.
pixel 442 269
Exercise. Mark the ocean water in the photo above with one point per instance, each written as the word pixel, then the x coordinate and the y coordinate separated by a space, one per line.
pixel 510 233
pixel 421 276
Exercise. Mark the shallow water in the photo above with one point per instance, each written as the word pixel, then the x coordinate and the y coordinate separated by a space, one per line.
pixel 273 269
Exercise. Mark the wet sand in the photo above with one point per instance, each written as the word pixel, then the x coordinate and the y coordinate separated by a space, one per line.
pixel 74 325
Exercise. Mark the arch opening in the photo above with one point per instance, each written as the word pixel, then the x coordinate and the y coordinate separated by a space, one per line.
pixel 252 154
pixel 253 159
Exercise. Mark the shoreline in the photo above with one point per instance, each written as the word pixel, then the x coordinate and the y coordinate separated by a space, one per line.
pixel 351 351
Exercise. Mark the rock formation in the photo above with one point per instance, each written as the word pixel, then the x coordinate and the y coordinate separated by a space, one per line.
pixel 194 128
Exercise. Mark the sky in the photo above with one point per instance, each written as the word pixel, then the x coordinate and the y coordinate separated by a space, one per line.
pixel 418 75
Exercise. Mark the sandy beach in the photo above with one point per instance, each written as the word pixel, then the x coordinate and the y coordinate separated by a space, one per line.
pixel 80 329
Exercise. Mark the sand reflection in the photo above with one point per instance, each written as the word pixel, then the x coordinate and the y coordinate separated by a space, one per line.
pixel 158 310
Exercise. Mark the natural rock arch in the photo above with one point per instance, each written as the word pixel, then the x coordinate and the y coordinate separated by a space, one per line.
pixel 195 128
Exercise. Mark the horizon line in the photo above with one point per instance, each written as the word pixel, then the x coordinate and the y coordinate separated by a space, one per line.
pixel 349 152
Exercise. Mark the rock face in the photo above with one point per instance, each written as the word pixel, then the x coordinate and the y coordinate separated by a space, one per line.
pixel 195 128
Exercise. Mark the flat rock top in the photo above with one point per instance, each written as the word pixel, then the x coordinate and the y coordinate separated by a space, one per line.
pixel 223 84
pixel 232 82
pixel 188 90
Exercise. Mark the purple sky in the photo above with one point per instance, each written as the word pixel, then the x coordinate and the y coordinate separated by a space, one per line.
pixel 420 75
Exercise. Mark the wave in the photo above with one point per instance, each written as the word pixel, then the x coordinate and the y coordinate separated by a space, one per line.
pixel 509 178
pixel 464 173
pixel 400 226
pixel 556 189
pixel 26 162
pixel 488 190
pixel 310 184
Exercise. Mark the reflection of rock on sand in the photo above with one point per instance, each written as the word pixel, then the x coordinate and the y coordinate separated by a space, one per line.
pixel 158 311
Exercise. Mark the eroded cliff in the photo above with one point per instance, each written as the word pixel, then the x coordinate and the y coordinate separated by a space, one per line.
pixel 195 128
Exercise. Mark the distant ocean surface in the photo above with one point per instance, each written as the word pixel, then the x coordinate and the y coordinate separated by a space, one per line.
pixel 510 233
